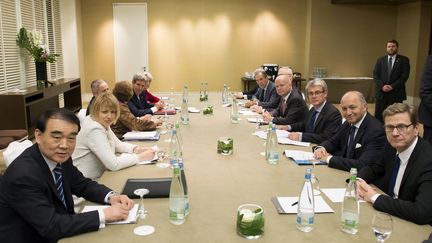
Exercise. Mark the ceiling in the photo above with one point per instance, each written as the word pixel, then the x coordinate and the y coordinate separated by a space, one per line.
pixel 380 2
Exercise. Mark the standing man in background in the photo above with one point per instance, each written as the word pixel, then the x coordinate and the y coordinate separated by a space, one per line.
pixel 390 74
pixel 425 108
pixel 98 86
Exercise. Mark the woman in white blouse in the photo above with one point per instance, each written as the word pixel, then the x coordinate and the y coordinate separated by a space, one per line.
pixel 98 149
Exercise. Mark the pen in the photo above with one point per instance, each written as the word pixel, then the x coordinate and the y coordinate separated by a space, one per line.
pixel 292 205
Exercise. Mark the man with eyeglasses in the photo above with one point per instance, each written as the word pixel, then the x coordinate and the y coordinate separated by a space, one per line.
pixel 323 119
pixel 405 170
pixel 292 108
pixel 359 141
pixel 138 103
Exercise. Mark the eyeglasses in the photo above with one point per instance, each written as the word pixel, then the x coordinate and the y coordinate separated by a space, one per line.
pixel 316 93
pixel 400 127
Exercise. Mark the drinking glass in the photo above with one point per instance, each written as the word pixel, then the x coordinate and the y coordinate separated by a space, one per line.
pixel 225 146
pixel 161 156
pixel 250 221
pixel 382 226
pixel 257 123
pixel 168 126
pixel 142 213
pixel 315 185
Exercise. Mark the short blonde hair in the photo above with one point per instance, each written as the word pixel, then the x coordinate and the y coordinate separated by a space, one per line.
pixel 105 101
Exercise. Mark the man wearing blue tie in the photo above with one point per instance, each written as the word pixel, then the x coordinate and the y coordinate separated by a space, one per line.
pixel 359 141
pixel 390 74
pixel 405 170
pixel 36 190
pixel 323 119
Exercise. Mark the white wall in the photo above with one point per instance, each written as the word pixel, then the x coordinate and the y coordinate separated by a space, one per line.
pixel 69 38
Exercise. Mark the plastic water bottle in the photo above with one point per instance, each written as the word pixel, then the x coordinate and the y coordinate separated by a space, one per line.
pixel 184 107
pixel 205 91
pixel 350 207
pixel 179 133
pixel 306 205
pixel 271 153
pixel 225 94
pixel 234 111
pixel 176 198
pixel 176 153
pixel 201 95
pixel 185 190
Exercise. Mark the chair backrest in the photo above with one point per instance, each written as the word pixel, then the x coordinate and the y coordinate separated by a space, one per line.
pixel 14 150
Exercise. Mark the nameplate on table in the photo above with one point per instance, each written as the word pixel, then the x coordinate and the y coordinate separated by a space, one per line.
pixel 135 135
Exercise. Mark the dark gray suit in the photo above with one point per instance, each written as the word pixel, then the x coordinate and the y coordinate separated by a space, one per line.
pixel 296 110
pixel 368 145
pixel 425 108
pixel 398 77
pixel 268 99
pixel 414 201
pixel 30 207
pixel 326 125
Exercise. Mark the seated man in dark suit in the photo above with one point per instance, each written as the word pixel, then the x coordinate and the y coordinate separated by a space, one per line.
pixel 323 119
pixel 359 141
pixel 98 86
pixel 292 108
pixel 36 190
pixel 265 97
pixel 405 170
pixel 138 104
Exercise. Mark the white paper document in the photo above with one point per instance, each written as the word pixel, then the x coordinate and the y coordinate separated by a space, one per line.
pixel 302 157
pixel 254 120
pixel 285 205
pixel 292 142
pixel 132 218
pixel 135 135
pixel 336 195
pixel 279 133
pixel 247 112
pixel 193 110
pixel 153 160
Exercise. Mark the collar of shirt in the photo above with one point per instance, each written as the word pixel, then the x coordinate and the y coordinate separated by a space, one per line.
pixel 406 154
pixel 266 85
pixel 319 109
pixel 358 124
pixel 286 97
pixel 51 165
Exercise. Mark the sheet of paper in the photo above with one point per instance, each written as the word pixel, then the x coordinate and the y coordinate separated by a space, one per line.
pixel 320 205
pixel 247 112
pixel 136 135
pixel 153 160
pixel 193 110
pixel 254 120
pixel 130 220
pixel 279 134
pixel 336 195
pixel 292 142
pixel 299 155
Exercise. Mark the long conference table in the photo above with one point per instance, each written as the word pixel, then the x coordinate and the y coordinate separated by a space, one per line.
pixel 218 184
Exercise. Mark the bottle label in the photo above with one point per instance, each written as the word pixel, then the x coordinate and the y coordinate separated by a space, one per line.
pixel 350 223
pixel 304 219
pixel 176 215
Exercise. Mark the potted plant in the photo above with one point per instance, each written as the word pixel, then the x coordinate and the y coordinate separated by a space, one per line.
pixel 31 42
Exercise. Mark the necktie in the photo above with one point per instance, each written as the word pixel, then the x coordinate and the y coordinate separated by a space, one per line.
pixel 392 182
pixel 283 106
pixel 59 182
pixel 350 141
pixel 389 69
pixel 311 122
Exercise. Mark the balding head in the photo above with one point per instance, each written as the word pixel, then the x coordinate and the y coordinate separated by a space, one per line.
pixel 354 106
pixel 285 71
pixel 283 85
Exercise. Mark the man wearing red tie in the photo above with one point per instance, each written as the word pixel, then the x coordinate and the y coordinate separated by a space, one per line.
pixel 390 74
pixel 405 170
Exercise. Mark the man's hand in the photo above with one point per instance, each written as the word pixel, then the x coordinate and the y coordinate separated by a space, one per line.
pixel 250 103
pixel 116 212
pixel 159 105
pixel 321 154
pixel 123 200
pixel 387 88
pixel 256 108
pixel 267 117
pixel 238 95
pixel 365 191
pixel 294 136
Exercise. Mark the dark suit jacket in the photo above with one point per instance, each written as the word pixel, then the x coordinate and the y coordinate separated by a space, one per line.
pixel 425 108
pixel 326 125
pixel 370 138
pixel 268 99
pixel 30 206
pixel 414 201
pixel 296 110
pixel 90 105
pixel 399 75
pixel 140 107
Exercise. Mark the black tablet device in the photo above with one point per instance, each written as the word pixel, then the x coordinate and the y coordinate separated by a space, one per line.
pixel 158 187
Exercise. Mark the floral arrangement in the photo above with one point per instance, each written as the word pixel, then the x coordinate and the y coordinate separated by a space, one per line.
pixel 31 41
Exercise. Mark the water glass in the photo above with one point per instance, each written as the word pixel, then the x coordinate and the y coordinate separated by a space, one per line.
pixel 250 221
pixel 382 226
pixel 225 146
pixel 161 156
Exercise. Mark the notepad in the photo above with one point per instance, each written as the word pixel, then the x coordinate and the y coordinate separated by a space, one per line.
pixel 302 157
pixel 284 205
pixel 130 220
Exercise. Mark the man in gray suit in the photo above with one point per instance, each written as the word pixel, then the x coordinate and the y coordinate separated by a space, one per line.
pixel 266 96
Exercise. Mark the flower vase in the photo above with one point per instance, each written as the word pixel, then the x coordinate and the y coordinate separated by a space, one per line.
pixel 41 74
